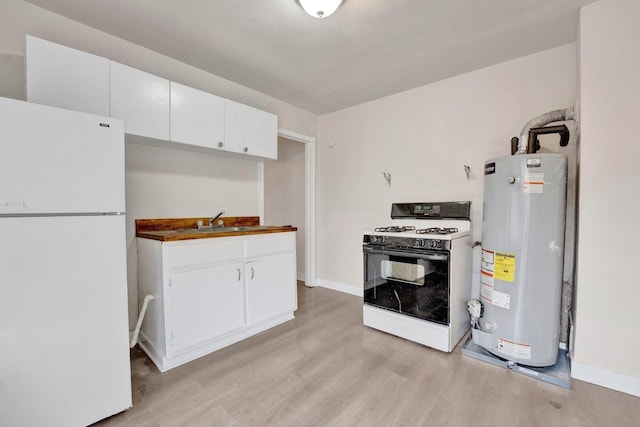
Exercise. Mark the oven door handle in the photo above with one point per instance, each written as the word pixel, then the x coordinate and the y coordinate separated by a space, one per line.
pixel 430 256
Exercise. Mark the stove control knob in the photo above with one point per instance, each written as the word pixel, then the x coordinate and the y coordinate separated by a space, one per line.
pixel 420 242
pixel 434 244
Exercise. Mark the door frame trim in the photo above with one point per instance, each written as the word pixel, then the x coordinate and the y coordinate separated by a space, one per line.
pixel 309 199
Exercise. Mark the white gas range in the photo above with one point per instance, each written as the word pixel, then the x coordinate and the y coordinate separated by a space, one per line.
pixel 417 273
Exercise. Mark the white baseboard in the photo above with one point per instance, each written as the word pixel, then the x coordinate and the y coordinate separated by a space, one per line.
pixel 606 378
pixel 340 287
pixel 301 276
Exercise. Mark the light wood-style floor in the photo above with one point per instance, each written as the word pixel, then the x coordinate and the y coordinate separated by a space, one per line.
pixel 326 369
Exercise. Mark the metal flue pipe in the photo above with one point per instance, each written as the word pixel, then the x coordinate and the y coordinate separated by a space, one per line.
pixel 550 117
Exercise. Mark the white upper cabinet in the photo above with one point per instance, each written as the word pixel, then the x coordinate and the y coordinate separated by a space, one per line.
pixel 63 77
pixel 197 117
pixel 150 106
pixel 250 131
pixel 141 100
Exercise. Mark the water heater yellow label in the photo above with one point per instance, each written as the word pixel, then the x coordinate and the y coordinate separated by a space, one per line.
pixel 504 267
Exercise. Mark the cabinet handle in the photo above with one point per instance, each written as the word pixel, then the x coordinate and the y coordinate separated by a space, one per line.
pixel 238 274
pixel 220 144
pixel 245 149
pixel 252 273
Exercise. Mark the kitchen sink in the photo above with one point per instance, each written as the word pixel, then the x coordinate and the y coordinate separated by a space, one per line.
pixel 219 229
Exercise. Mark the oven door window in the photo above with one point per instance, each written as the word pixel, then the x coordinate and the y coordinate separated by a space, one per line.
pixel 415 284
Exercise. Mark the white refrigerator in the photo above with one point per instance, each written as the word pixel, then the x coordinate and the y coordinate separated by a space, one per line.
pixel 64 354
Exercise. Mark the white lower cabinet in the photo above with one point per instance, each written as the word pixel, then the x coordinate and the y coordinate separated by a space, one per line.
pixel 210 293
pixel 205 303
pixel 268 289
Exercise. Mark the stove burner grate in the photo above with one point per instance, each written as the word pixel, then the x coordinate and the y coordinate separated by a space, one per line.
pixel 437 230
pixel 395 229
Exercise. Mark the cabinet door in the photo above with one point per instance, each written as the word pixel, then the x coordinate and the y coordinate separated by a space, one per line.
pixel 141 100
pixel 205 303
pixel 63 77
pixel 250 131
pixel 197 117
pixel 271 287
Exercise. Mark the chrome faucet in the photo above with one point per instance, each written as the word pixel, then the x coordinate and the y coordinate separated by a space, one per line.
pixel 212 220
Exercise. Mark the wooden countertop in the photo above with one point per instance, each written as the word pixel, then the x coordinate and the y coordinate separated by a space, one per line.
pixel 173 229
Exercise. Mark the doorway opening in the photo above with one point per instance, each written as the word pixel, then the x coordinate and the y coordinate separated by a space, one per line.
pixel 288 195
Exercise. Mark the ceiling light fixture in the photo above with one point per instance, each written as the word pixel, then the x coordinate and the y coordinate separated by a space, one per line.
pixel 320 8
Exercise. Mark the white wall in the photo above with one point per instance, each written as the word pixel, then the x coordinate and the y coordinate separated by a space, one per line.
pixel 284 193
pixel 160 183
pixel 12 76
pixel 608 281
pixel 423 137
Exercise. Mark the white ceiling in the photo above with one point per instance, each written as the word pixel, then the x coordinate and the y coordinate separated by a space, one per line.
pixel 366 50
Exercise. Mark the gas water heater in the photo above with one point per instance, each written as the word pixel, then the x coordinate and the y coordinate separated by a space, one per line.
pixel 522 257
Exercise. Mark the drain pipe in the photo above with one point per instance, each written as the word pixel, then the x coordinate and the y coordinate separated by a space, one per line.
pixel 143 310
pixel 537 122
